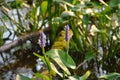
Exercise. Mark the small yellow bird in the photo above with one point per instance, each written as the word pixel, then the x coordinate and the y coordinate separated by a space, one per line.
pixel 60 42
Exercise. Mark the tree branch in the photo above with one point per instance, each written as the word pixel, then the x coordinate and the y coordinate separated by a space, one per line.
pixel 21 40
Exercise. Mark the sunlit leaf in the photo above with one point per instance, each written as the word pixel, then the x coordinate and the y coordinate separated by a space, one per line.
pixel 46 61
pixel 66 59
pixel 78 8
pixel 67 14
pixel 102 1
pixel 74 1
pixel 32 14
pixel 44 5
pixel 55 55
pixel 38 11
pixel 21 77
pixel 65 2
pixel 55 69
pixel 41 57
pixel 57 20
pixel 75 77
pixel 58 0
pixel 41 76
pixel 111 76
pixel 86 75
pixel 93 30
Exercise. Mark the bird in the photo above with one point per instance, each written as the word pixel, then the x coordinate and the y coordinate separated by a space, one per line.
pixel 60 42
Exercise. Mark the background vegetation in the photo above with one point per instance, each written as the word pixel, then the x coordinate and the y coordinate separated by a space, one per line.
pixel 94 49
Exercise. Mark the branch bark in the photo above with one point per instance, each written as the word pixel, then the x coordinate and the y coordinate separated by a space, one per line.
pixel 21 40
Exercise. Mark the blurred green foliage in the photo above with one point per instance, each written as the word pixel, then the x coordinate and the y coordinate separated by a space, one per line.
pixel 16 4
pixel 95 26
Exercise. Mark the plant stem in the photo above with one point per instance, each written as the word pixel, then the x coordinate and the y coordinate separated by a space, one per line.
pixel 47 62
pixel 63 75
pixel 67 43
pixel 67 48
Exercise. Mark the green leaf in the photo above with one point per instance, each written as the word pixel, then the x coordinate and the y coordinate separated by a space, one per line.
pixel 85 19
pixel 89 55
pixel 32 13
pixel 75 77
pixel 55 69
pixel 67 59
pixel 44 5
pixel 86 75
pixel 111 76
pixel 41 57
pixel 74 1
pixel 57 20
pixel 94 29
pixel 78 8
pixel 58 1
pixel 114 3
pixel 38 75
pixel 21 77
pixel 67 14
pixel 77 38
pixel 16 4
pixel 45 60
pixel 68 3
pixel 55 55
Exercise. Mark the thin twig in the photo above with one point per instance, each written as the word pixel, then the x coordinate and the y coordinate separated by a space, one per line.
pixel 81 64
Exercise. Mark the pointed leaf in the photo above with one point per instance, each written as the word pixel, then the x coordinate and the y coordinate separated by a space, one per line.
pixel 86 75
pixel 54 54
pixel 67 14
pixel 44 5
pixel 41 76
pixel 45 60
pixel 89 55
pixel 55 69
pixel 41 57
pixel 21 77
pixel 75 77
pixel 67 59
pixel 111 76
